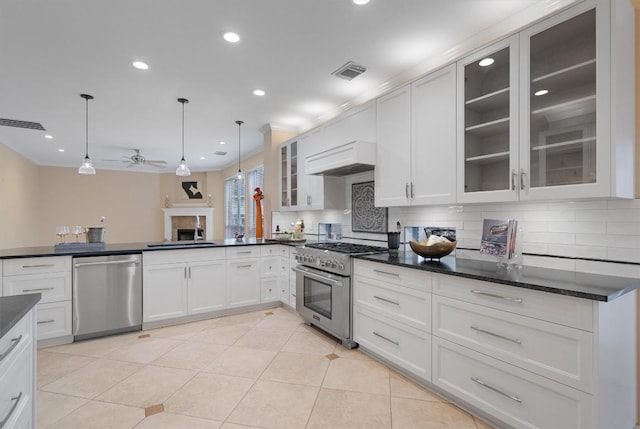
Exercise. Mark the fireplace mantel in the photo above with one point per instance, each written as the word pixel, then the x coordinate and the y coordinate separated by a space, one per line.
pixel 206 212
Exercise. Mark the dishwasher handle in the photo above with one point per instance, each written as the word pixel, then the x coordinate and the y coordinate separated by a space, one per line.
pixel 90 264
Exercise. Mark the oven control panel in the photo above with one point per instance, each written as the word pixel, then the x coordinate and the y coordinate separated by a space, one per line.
pixel 327 261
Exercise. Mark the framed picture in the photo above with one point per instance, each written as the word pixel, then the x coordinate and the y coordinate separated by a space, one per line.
pixel 365 216
pixel 191 190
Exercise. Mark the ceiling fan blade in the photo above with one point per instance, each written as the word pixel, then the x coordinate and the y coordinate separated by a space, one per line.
pixel 113 160
pixel 156 161
pixel 155 164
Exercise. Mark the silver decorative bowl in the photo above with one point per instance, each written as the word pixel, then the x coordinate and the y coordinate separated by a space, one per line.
pixel 435 251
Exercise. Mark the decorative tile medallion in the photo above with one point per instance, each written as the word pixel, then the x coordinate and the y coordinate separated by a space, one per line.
pixel 365 216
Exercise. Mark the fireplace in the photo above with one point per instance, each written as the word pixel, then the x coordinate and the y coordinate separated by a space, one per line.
pixel 180 222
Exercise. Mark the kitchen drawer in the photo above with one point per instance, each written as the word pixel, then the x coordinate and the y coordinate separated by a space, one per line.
pixel 410 306
pixel 386 273
pixel 564 310
pixel 52 286
pixel 403 345
pixel 54 320
pixel 274 250
pixel 48 264
pixel 16 379
pixel 270 265
pixel 554 351
pixel 158 257
pixel 243 252
pixel 515 396
pixel 284 267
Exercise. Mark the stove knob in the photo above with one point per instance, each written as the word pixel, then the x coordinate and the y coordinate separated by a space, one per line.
pixel 318 262
pixel 334 265
pixel 341 266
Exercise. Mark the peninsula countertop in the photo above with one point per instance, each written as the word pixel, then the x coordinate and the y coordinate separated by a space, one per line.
pixel 13 308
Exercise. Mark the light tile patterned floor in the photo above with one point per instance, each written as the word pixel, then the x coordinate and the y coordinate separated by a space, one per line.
pixel 263 369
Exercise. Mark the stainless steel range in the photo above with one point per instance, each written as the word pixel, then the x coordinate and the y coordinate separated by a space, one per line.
pixel 323 286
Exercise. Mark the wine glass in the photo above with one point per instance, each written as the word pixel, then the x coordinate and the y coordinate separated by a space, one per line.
pixel 62 231
pixel 76 230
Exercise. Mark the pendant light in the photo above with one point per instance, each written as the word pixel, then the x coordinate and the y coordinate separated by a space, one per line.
pixel 87 165
pixel 182 169
pixel 240 175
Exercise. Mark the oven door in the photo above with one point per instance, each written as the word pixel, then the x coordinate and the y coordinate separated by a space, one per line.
pixel 323 299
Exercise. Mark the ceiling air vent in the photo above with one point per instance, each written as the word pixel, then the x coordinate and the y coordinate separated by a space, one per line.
pixel 220 152
pixel 349 71
pixel 21 124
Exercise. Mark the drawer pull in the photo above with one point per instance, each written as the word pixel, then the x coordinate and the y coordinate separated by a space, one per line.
pixel 484 331
pixel 386 273
pixel 386 300
pixel 14 343
pixel 16 401
pixel 39 289
pixel 246 252
pixel 506 298
pixel 46 321
pixel 385 338
pixel 39 266
pixel 483 384
pixel 244 266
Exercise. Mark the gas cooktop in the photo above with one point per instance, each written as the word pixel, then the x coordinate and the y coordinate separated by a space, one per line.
pixel 349 248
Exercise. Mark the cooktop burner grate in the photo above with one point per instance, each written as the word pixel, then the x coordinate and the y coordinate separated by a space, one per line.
pixel 349 248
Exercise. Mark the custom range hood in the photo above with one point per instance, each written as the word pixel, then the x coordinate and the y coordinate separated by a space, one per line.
pixel 350 158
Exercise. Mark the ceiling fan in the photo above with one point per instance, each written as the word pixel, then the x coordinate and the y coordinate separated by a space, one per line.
pixel 137 159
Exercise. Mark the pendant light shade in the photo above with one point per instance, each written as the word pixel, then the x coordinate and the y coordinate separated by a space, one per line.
pixel 240 175
pixel 87 166
pixel 183 169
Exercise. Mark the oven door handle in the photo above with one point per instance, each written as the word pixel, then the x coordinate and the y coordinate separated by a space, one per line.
pixel 307 272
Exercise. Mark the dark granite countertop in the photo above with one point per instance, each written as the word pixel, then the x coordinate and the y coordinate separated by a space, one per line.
pixel 128 248
pixel 12 308
pixel 595 287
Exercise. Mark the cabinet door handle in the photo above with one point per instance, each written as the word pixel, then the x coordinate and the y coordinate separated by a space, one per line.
pixel 189 271
pixel 522 173
pixel 38 266
pixel 385 338
pixel 493 389
pixel 513 180
pixel 42 322
pixel 14 343
pixel 39 289
pixel 16 401
pixel 246 252
pixel 484 331
pixel 244 266
pixel 386 273
pixel 386 300
pixel 406 189
pixel 412 193
pixel 506 298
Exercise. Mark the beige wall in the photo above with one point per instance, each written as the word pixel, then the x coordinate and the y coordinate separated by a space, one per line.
pixel 130 202
pixel 19 198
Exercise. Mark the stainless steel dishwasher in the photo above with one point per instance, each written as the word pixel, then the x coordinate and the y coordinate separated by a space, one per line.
pixel 107 295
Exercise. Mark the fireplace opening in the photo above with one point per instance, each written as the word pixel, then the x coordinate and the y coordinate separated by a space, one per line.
pixel 188 234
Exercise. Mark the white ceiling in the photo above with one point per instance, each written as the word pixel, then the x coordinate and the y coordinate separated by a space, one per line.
pixel 51 51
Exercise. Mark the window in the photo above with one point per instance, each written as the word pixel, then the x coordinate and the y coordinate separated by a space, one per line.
pixel 256 180
pixel 234 206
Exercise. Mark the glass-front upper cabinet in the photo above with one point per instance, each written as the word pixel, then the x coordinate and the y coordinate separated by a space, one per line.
pixel 561 99
pixel 488 123
pixel 289 175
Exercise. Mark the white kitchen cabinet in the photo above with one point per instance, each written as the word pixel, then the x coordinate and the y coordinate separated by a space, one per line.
pixel 488 123
pixel 51 277
pixel 18 374
pixel 178 283
pixel 392 315
pixel 417 128
pixel 567 129
pixel 293 252
pixel 275 273
pixel 244 284
pixel 288 174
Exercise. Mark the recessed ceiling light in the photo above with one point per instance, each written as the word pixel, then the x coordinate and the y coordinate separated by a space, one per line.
pixel 541 92
pixel 360 2
pixel 223 142
pixel 231 37
pixel 486 62
pixel 60 150
pixel 202 157
pixel 48 136
pixel 259 92
pixel 140 65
